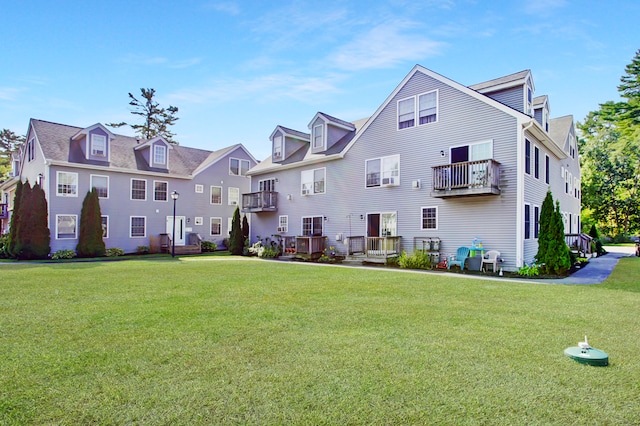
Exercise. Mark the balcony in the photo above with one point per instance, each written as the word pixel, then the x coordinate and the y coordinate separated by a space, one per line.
pixel 4 211
pixel 262 201
pixel 467 178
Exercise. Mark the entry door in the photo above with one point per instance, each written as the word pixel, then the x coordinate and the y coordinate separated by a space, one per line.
pixel 180 221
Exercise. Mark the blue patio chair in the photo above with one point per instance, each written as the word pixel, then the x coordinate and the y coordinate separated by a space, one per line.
pixel 460 258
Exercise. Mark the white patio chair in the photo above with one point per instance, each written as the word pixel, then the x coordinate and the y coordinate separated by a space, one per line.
pixel 491 258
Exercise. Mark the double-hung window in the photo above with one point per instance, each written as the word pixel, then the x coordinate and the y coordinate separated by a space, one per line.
pixel 283 224
pixel 66 226
pixel 313 181
pixel 138 226
pixel 536 162
pixel 426 106
pixel 234 196
pixel 384 171
pixel 429 218
pixel 159 154
pixel 406 113
pixel 105 226
pixel 527 156
pixel 101 184
pixel 527 221
pixel 98 145
pixel 216 195
pixel 138 189
pixel 238 167
pixel 312 225
pixel 277 147
pixel 160 190
pixel 318 136
pixel 216 226
pixel 67 184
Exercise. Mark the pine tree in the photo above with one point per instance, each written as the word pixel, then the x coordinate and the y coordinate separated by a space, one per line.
pixel 544 234
pixel 553 254
pixel 24 210
pixel 245 229
pixel 236 242
pixel 41 237
pixel 90 242
pixel 14 223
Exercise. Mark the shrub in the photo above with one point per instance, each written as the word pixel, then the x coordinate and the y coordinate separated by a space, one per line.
pixel 90 242
pixel 4 246
pixel 417 260
pixel 63 254
pixel 208 246
pixel 264 251
pixel 142 249
pixel 529 270
pixel 114 252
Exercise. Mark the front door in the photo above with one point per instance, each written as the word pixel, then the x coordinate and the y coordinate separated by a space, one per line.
pixel 180 221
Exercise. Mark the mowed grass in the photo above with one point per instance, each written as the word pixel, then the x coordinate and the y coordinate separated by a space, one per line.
pixel 225 341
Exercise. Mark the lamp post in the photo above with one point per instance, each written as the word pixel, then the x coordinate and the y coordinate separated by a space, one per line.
pixel 174 197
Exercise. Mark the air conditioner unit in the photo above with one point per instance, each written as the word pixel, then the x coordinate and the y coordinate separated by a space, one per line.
pixel 305 192
pixel 388 181
pixel 415 184
pixel 282 229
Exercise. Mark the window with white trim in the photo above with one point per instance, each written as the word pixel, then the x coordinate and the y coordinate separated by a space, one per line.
pixel 215 226
pixel 283 224
pixel 159 154
pixel 138 225
pixel 229 225
pixel 160 190
pixel 98 145
pixel 277 147
pixel 31 150
pixel 267 185
pixel 67 184
pixel 318 136
pixel 313 181
pixel 527 156
pixel 527 221
pixel 234 196
pixel 198 220
pixel 312 225
pixel 547 168
pixel 536 162
pixel 101 184
pixel 536 221
pixel 426 105
pixel 138 189
pixel 66 226
pixel 429 218
pixel 199 188
pixel 105 226
pixel 238 167
pixel 383 171
pixel 216 194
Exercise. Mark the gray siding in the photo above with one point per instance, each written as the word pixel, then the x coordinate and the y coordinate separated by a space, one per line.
pixel 513 97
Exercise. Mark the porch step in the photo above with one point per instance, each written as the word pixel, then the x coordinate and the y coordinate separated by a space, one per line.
pixel 188 249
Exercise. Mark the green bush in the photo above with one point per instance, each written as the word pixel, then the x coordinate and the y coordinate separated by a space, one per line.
pixel 114 252
pixel 63 254
pixel 142 249
pixel 208 246
pixel 529 271
pixel 4 246
pixel 417 260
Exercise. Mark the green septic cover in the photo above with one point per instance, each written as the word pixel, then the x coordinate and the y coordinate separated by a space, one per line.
pixel 589 356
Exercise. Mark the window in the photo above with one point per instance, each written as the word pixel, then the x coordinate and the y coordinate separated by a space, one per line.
pixel 428 107
pixel 527 156
pixel 546 168
pixel 536 162
pixel 318 136
pixel 536 221
pixel 277 147
pixel 160 190
pixel 216 226
pixel 67 184
pixel 229 225
pixel 238 167
pixel 66 226
pixel 312 225
pixel 216 195
pixel 283 224
pixel 406 113
pixel 105 226
pixel 527 221
pixel 31 150
pixel 199 188
pixel 138 189
pixel 198 220
pixel 382 224
pixel 138 226
pixel 234 196
pixel 429 218
pixel 101 184
pixel 383 171
pixel 159 154
pixel 267 185
pixel 98 145
pixel 313 181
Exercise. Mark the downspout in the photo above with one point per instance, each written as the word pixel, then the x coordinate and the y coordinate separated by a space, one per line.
pixel 520 198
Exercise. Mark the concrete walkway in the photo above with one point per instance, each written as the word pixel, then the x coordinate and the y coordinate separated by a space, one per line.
pixel 598 269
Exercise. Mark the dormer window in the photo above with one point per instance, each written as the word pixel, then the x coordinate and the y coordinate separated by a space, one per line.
pixel 98 145
pixel 318 136
pixel 529 102
pixel 159 154
pixel 545 119
pixel 277 147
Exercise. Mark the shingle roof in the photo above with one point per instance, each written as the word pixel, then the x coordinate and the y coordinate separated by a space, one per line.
pixel 338 121
pixel 55 140
pixel 559 129
pixel 504 80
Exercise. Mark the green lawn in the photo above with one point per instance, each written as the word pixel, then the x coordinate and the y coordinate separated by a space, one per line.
pixel 209 340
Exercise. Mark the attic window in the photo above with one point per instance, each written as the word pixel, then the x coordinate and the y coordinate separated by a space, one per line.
pixel 318 136
pixel 277 147
pixel 406 113
pixel 238 167
pixel 98 145
pixel 160 154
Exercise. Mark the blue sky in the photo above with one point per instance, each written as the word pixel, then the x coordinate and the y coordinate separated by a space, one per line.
pixel 237 69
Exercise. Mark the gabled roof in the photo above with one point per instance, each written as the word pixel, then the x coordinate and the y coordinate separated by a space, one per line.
pixel 559 129
pixel 55 142
pixel 290 132
pixel 333 120
pixel 152 141
pixel 540 101
pixel 86 131
pixel 505 82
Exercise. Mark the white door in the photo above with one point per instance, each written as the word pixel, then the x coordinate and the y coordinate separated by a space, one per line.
pixel 180 237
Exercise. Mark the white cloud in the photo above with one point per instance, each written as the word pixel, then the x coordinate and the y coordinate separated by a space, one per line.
pixel 9 93
pixel 185 63
pixel 543 7
pixel 385 46
pixel 228 7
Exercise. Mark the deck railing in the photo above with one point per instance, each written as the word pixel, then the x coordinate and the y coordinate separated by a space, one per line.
pixel 467 174
pixel 579 242
pixel 374 246
pixel 310 245
pixel 260 201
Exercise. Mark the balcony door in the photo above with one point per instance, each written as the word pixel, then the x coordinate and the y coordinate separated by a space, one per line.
pixel 475 174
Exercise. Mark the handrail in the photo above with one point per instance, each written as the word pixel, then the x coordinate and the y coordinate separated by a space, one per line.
pixel 467 174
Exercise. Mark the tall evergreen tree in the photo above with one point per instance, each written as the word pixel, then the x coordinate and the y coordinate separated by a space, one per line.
pixel 90 242
pixel 32 234
pixel 157 120
pixel 14 223
pixel 553 254
pixel 245 228
pixel 236 243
